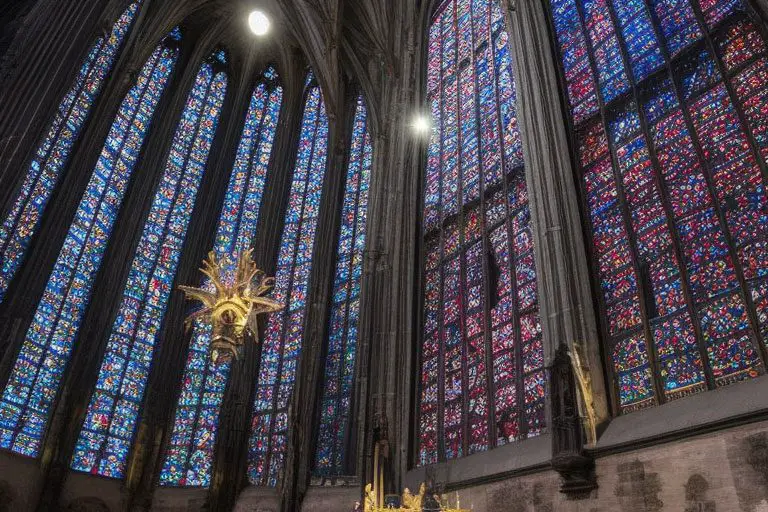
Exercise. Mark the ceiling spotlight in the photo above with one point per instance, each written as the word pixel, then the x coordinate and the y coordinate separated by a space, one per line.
pixel 422 124
pixel 259 23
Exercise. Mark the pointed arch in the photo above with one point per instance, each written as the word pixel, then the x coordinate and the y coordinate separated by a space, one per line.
pixel 190 452
pixel 285 332
pixel 52 155
pixel 32 389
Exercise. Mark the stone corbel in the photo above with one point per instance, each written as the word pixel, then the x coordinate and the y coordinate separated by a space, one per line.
pixel 569 459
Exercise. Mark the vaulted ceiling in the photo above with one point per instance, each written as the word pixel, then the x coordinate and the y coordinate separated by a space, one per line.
pixel 364 41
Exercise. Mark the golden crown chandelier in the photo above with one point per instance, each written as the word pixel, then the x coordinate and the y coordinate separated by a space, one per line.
pixel 232 298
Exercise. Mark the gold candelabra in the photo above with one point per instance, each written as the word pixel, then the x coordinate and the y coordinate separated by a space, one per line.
pixel 232 299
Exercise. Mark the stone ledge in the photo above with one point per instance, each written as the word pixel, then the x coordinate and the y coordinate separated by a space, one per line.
pixel 530 455
pixel 721 408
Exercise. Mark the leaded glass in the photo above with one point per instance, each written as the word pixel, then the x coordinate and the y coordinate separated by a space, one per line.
pixel 284 337
pixel 113 412
pixel 190 451
pixel 482 379
pixel 673 190
pixel 51 157
pixel 34 383
pixel 341 355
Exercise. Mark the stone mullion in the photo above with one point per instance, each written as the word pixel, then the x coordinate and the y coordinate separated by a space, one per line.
pixel 659 184
pixel 308 394
pixel 709 177
pixel 243 109
pixel 117 303
pixel 727 79
pixel 370 295
pixel 565 298
pixel 158 412
pixel 517 351
pixel 356 227
pixel 86 361
pixel 291 281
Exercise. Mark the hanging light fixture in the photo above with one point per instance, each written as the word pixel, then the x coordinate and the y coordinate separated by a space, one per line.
pixel 259 23
pixel 232 299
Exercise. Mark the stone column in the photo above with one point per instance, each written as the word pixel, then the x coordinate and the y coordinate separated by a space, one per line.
pixel 567 310
pixel 308 393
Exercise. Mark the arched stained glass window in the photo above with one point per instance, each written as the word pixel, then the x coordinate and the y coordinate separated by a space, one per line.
pixel 672 155
pixel 285 332
pixel 482 363
pixel 341 358
pixel 189 456
pixel 32 388
pixel 105 440
pixel 51 157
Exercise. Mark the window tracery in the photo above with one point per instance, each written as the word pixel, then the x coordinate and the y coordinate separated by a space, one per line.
pixel 284 337
pixel 673 168
pixel 33 386
pixel 482 363
pixel 115 405
pixel 190 452
pixel 341 357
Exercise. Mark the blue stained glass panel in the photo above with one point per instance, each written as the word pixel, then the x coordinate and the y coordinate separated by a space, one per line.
pixel 282 346
pixel 190 451
pixel 128 359
pixel 345 310
pixel 27 400
pixel 51 157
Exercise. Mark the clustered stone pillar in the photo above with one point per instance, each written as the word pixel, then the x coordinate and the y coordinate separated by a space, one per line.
pixel 567 312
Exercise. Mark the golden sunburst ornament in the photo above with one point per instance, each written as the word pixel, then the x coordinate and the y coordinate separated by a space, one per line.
pixel 232 300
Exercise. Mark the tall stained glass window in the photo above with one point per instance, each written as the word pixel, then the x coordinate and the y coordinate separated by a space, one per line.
pixel 668 101
pixel 52 155
pixel 105 439
pixel 26 402
pixel 482 364
pixel 284 337
pixel 341 358
pixel 189 456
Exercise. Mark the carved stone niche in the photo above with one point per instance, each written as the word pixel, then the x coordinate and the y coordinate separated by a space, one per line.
pixel 575 466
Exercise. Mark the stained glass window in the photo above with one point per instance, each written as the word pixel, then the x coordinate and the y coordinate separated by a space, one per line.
pixel 32 388
pixel 110 422
pixel 52 155
pixel 189 456
pixel 341 354
pixel 284 337
pixel 482 363
pixel 671 160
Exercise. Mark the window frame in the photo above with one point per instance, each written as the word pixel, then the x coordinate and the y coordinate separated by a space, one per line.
pixel 670 70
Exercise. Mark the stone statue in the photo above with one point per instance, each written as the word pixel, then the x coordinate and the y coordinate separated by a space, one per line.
pixel 411 502
pixel 370 499
pixel 584 379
